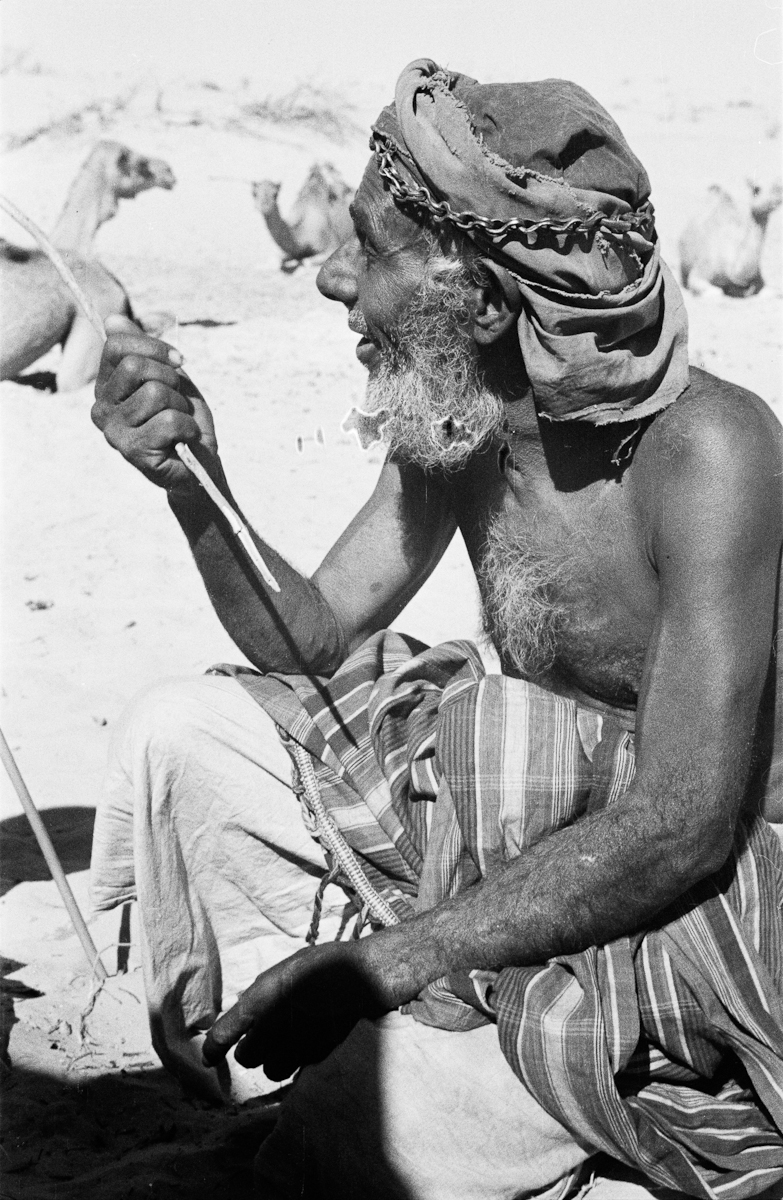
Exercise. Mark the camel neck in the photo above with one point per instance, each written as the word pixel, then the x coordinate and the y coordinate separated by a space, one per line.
pixel 88 205
pixel 759 221
pixel 281 232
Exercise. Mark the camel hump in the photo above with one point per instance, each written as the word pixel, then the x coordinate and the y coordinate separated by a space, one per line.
pixel 324 182
pixel 720 246
pixel 39 311
pixel 322 207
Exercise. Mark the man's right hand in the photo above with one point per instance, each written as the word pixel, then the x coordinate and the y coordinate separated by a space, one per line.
pixel 144 405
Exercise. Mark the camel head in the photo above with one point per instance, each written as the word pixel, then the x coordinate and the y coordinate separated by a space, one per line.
pixel 111 172
pixel 114 172
pixel 126 173
pixel 265 195
pixel 764 200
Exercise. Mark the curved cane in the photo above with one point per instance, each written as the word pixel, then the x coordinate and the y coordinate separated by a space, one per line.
pixel 237 525
pixel 52 861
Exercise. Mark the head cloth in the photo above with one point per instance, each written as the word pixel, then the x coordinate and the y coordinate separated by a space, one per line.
pixel 541 179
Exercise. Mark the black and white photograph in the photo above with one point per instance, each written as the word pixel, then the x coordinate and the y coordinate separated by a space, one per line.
pixel 391 803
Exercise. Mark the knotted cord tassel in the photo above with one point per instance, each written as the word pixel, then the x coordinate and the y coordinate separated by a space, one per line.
pixel 318 902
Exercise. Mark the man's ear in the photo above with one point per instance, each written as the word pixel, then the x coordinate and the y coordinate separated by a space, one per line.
pixel 498 305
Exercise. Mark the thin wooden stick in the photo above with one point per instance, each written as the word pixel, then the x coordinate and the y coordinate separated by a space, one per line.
pixel 238 527
pixel 52 861
pixel 57 261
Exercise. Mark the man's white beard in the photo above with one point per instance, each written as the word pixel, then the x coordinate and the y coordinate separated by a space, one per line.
pixel 427 394
pixel 428 397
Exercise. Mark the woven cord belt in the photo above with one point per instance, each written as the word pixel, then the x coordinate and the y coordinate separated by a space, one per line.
pixel 336 844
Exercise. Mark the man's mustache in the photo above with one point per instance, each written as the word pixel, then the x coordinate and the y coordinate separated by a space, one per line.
pixel 357 323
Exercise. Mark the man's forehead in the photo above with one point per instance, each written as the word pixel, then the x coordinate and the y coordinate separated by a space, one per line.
pixel 374 211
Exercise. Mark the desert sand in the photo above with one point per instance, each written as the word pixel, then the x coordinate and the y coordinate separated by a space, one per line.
pixel 100 596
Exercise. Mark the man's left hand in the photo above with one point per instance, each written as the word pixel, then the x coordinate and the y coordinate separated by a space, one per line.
pixel 297 1012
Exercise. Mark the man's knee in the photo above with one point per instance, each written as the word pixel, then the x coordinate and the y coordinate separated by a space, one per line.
pixel 204 745
pixel 164 711
pixel 173 716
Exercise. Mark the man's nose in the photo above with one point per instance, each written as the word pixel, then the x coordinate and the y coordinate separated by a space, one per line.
pixel 337 277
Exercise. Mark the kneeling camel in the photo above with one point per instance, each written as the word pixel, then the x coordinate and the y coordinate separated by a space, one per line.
pixel 319 221
pixel 720 248
pixel 38 310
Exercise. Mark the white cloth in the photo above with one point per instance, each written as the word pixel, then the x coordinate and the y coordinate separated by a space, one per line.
pixel 198 823
pixel 404 1111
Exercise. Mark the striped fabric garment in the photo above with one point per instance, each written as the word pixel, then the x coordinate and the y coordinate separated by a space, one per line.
pixel 664 1050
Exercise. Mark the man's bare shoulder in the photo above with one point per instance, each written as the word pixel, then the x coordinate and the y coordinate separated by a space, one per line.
pixel 716 434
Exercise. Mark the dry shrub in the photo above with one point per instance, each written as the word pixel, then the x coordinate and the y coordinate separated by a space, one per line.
pixel 321 109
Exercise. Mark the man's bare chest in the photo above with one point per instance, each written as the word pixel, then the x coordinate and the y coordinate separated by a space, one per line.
pixel 586 551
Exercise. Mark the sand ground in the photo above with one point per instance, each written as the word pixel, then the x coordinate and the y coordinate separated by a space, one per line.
pixel 100 596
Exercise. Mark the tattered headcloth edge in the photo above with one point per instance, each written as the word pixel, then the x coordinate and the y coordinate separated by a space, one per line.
pixel 603 328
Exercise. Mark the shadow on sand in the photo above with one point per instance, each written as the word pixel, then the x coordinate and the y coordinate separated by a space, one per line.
pixel 20 858
pixel 123 1136
pixel 42 381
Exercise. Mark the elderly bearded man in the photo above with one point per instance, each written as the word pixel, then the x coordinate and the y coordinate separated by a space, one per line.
pixel 581 896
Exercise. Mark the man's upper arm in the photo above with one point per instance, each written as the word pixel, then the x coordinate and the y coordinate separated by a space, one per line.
pixel 387 552
pixel 714 512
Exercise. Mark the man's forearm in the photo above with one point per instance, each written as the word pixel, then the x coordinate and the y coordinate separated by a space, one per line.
pixel 605 877
pixel 293 630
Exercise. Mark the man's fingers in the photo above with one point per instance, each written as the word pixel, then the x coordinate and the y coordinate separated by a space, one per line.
pixel 227 1030
pixel 213 1051
pixel 254 1006
pixel 259 1042
pixel 169 427
pixel 152 440
pixel 132 372
pixel 280 1043
pixel 150 400
pixel 116 323
pixel 133 340
pixel 277 1065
